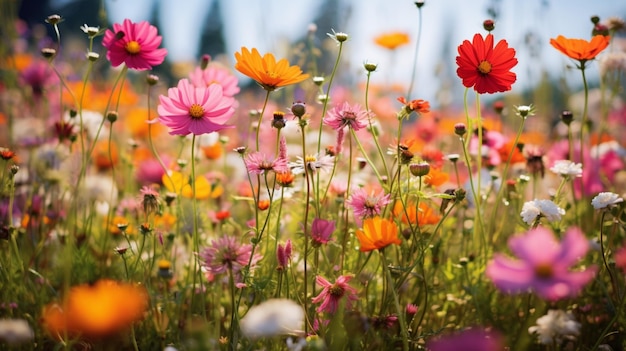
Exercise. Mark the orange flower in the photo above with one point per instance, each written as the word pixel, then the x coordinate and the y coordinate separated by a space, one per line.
pixel 425 214
pixel 97 310
pixel 101 154
pixel 266 71
pixel 419 105
pixel 580 49
pixel 377 233
pixel 436 177
pixel 506 149
pixel 213 152
pixel 392 40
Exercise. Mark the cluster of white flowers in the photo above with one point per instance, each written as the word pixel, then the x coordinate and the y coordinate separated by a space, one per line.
pixel 605 199
pixel 273 317
pixel 555 326
pixel 567 168
pixel 546 208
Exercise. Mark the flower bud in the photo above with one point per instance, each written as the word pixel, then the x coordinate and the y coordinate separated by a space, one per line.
pixel 419 3
pixel 318 80
pixel 460 129
pixel 595 19
pixel 370 66
pixel 112 116
pixel 489 25
pixel 298 109
pixel 279 120
pixel 54 19
pixel 92 56
pixel 498 107
pixel 48 53
pixel 152 79
pixel 600 29
pixel 341 37
pixel 204 62
pixel 419 169
pixel 240 150
pixel 567 117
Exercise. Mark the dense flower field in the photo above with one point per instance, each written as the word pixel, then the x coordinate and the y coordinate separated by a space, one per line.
pixel 305 213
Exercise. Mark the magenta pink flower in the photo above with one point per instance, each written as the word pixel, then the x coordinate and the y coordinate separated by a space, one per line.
pixel 39 76
pixel 259 163
pixel 543 265
pixel 332 293
pixel 321 230
pixel 367 205
pixel 188 109
pixel 215 75
pixel 346 115
pixel 225 254
pixel 135 44
pixel 468 340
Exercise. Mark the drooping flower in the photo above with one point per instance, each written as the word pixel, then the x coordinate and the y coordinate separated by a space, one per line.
pixel 225 253
pixel 543 265
pixel 532 210
pixel 367 204
pixel 580 49
pixel 331 294
pixel 485 67
pixel 346 115
pixel 96 310
pixel 188 109
pixel 321 230
pixel 605 200
pixel 468 340
pixel 135 44
pixel 214 74
pixel 377 233
pixel 418 106
pixel 266 71
pixel 273 317
pixel 392 40
pixel 555 326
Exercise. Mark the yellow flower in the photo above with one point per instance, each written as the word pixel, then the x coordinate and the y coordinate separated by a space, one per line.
pixel 392 40
pixel 179 184
pixel 266 71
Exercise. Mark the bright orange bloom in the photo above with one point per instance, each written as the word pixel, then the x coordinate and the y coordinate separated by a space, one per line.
pixel 506 149
pixel 436 177
pixel 101 157
pixel 97 310
pixel 425 215
pixel 213 152
pixel 377 233
pixel 266 71
pixel 392 40
pixel 263 205
pixel 580 49
pixel 419 105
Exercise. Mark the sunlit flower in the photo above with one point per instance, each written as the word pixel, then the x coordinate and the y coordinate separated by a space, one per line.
pixel 377 233
pixel 417 105
pixel 314 163
pixel 580 49
pixel 331 294
pixel 135 44
pixel 266 71
pixel 321 230
pixel 346 115
pixel 543 265
pixel 532 210
pixel 392 40
pixel 177 183
pixel 485 67
pixel 605 200
pixel 367 204
pixel 468 340
pixel 96 310
pixel 283 254
pixel 215 75
pixel 259 163
pixel 555 326
pixel 423 215
pixel 567 169
pixel 273 317
pixel 188 109
pixel 226 254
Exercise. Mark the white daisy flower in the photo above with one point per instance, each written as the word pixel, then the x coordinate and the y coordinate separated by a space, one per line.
pixel 273 317
pixel 314 163
pixel 545 208
pixel 605 199
pixel 555 326
pixel 567 168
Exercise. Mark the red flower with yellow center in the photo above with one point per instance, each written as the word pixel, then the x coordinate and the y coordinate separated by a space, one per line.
pixel 484 67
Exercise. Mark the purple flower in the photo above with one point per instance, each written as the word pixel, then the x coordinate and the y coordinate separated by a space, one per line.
pixel 346 115
pixel 367 205
pixel 468 340
pixel 225 253
pixel 543 265
pixel 321 230
pixel 259 163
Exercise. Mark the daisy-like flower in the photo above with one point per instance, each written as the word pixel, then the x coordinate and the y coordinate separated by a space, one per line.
pixel 332 294
pixel 214 74
pixel 567 169
pixel 367 205
pixel 555 326
pixel 532 210
pixel 605 200
pixel 273 317
pixel 135 44
pixel 485 67
pixel 580 49
pixel 314 163
pixel 266 71
pixel 226 254
pixel 377 233
pixel 188 109
pixel 259 163
pixel 392 40
pixel 348 115
pixel 468 340
pixel 543 265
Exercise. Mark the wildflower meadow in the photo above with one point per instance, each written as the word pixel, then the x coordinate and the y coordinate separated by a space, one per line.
pixel 144 210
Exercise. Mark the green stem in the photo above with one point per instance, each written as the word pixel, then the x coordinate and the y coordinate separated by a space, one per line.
pixel 374 132
pixel 325 107
pixel 417 44
pixel 396 300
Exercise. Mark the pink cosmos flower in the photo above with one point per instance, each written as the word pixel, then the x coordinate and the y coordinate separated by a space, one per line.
pixel 543 265
pixel 321 230
pixel 332 293
pixel 225 253
pixel 259 163
pixel 215 75
pixel 367 205
pixel 38 75
pixel 468 340
pixel 188 109
pixel 348 115
pixel 135 44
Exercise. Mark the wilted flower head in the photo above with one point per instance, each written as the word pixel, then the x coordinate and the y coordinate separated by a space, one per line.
pixel 273 317
pixel 605 200
pixel 555 326
pixel 533 210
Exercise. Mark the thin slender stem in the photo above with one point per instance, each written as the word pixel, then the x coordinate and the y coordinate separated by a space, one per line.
pixel 417 44
pixel 325 107
pixel 396 300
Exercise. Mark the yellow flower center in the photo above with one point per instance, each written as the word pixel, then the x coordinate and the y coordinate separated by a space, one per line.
pixel 543 271
pixel 310 159
pixel 196 111
pixel 133 47
pixel 484 67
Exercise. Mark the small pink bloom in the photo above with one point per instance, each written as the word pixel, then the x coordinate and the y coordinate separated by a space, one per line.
pixel 226 254
pixel 135 44
pixel 620 258
pixel 321 230
pixel 366 205
pixel 332 293
pixel 468 340
pixel 259 163
pixel 202 78
pixel 188 109
pixel 543 265
pixel 348 115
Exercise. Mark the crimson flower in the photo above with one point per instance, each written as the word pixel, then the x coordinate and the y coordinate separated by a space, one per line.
pixel 485 67
pixel 135 44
